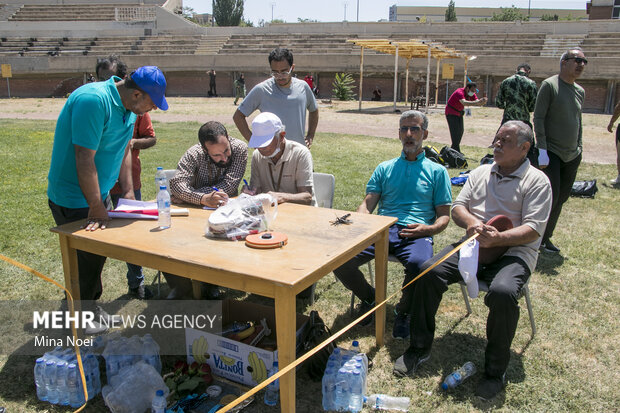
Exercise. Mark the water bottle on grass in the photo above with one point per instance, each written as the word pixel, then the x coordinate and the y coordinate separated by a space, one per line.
pixel 454 379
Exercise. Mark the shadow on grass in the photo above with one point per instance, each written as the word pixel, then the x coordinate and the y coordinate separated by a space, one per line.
pixel 548 263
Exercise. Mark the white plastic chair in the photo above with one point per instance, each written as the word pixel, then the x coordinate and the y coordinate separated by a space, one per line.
pixel 324 187
pixel 483 286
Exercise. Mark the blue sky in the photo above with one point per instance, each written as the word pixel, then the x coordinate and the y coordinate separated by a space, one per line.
pixel 369 10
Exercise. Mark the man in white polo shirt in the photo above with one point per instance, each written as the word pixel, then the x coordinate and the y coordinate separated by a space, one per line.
pixel 280 167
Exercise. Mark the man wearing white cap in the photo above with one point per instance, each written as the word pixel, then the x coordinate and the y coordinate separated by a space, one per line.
pixel 280 167
pixel 91 150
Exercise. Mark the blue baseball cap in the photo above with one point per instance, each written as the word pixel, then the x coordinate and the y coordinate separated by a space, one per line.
pixel 151 80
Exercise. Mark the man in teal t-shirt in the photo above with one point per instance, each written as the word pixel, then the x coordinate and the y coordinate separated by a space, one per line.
pixel 417 192
pixel 91 152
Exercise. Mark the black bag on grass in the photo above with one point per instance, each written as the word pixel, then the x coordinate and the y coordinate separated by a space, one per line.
pixel 584 189
pixel 453 158
pixel 315 333
pixel 433 154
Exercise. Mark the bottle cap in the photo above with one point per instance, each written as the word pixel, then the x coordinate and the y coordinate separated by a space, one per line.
pixel 160 168
pixel 160 393
pixel 444 386
pixel 214 391
pixel 162 187
pixel 355 343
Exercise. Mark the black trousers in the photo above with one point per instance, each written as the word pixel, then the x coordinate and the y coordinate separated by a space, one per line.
pixel 89 265
pixel 505 277
pixel 562 176
pixel 457 128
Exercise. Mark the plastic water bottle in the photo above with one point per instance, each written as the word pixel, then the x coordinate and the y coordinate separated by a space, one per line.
pixel 61 382
pixel 160 177
pixel 272 391
pixel 454 379
pixel 72 385
pixel 150 352
pixel 355 346
pixel 356 399
pixel 163 208
pixel 329 386
pixel 385 402
pixel 343 389
pixel 51 387
pixel 159 402
pixel 39 378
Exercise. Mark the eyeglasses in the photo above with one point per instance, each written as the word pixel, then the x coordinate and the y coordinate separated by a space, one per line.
pixel 578 60
pixel 283 73
pixel 413 129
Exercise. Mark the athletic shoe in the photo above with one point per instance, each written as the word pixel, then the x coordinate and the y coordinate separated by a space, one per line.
pixel 408 363
pixel 140 292
pixel 362 309
pixel 489 387
pixel 547 246
pixel 99 324
pixel 401 326
pixel 615 181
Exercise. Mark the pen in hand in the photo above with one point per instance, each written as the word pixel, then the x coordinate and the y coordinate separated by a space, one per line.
pixel 215 189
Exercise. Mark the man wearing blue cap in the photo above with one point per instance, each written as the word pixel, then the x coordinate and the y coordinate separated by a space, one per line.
pixel 91 151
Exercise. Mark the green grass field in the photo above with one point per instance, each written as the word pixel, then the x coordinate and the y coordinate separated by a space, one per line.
pixel 572 364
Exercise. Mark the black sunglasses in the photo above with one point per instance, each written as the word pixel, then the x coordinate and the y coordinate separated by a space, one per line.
pixel 578 60
pixel 404 129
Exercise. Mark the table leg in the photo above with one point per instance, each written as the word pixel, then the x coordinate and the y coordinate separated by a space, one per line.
pixel 196 290
pixel 70 267
pixel 381 260
pixel 285 328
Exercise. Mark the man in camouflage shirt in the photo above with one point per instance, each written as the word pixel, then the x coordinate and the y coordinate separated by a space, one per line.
pixel 517 95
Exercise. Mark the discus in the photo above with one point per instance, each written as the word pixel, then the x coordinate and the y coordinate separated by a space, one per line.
pixel 488 255
pixel 266 240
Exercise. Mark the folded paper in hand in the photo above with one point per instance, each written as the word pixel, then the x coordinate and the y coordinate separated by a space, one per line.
pixel 130 208
pixel 468 266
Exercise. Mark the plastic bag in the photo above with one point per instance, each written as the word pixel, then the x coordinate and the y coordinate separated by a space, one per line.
pixel 242 216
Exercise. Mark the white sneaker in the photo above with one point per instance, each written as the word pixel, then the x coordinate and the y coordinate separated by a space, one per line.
pixel 615 181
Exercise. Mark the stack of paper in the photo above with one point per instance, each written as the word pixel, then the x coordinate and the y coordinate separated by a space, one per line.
pixel 130 208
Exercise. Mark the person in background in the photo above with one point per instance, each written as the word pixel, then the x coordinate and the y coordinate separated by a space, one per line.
pixel 610 128
pixel 285 96
pixel 559 130
pixel 239 88
pixel 455 109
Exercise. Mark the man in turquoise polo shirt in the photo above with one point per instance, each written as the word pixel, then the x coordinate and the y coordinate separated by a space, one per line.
pixel 91 152
pixel 417 192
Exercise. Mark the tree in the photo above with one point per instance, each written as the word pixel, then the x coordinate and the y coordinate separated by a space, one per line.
pixel 343 89
pixel 509 14
pixel 451 12
pixel 188 13
pixel 549 18
pixel 227 12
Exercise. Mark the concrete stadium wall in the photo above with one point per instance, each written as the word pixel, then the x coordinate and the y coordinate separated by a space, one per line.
pixel 187 77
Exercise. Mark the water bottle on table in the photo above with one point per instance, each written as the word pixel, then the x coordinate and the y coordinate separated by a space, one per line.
pixel 454 379
pixel 385 402
pixel 160 177
pixel 163 208
pixel 271 393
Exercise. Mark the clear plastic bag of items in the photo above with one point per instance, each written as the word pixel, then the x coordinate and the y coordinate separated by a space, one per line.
pixel 242 216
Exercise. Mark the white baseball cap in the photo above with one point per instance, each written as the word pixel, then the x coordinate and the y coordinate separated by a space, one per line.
pixel 264 128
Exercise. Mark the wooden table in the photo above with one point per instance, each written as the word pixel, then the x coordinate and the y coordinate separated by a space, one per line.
pixel 315 248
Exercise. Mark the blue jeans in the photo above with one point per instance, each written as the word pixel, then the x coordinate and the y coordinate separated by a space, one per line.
pixel 412 253
pixel 135 277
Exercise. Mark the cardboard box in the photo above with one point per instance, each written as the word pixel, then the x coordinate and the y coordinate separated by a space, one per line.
pixel 232 359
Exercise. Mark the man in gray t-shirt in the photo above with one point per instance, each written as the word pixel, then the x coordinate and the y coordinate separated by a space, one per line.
pixel 285 96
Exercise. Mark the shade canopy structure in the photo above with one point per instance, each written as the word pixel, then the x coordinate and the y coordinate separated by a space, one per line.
pixel 409 49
